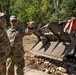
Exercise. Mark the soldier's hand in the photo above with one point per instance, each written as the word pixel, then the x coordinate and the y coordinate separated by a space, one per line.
pixel 2 67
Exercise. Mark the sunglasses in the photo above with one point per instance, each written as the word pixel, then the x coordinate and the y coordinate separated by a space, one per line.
pixel 14 21
pixel 3 18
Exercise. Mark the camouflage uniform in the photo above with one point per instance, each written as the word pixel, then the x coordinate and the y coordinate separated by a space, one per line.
pixel 5 49
pixel 17 53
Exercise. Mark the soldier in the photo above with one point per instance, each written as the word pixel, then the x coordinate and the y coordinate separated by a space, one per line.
pixel 5 47
pixel 16 34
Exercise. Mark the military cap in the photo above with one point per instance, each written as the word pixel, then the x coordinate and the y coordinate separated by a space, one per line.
pixel 2 14
pixel 13 17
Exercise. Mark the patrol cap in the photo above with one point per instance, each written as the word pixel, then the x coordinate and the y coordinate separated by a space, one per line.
pixel 1 14
pixel 13 17
pixel 31 22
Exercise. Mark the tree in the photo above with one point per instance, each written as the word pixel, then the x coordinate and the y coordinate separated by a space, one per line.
pixel 68 8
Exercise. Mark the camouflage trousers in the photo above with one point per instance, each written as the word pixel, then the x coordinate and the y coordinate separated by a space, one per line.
pixel 15 65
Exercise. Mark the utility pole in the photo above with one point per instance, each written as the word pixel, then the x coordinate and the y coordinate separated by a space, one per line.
pixel 56 7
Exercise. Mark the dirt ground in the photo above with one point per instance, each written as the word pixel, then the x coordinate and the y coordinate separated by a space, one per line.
pixel 29 41
pixel 51 67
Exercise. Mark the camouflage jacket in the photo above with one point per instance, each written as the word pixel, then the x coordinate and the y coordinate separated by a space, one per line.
pixel 16 37
pixel 5 47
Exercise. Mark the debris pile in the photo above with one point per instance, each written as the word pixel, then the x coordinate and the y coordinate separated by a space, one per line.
pixel 50 66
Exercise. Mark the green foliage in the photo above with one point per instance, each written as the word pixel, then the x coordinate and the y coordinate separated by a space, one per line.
pixel 41 11
pixel 68 8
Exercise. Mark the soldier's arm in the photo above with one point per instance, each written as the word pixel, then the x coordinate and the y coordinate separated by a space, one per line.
pixel 29 28
pixel 28 31
pixel 67 25
pixel 4 45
